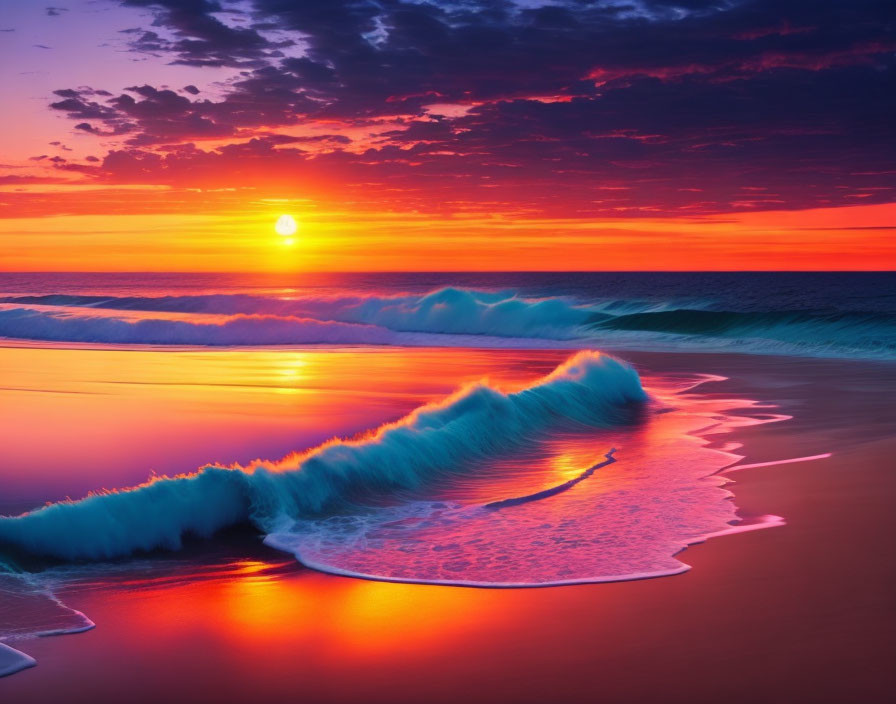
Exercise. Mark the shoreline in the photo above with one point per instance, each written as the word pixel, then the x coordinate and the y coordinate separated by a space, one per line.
pixel 800 613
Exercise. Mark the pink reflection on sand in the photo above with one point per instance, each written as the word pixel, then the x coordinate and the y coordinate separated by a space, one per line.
pixel 526 520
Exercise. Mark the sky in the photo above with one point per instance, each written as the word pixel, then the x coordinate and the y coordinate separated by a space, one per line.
pixel 447 135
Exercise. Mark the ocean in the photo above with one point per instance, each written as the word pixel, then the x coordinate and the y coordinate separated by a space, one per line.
pixel 455 429
pixel 799 313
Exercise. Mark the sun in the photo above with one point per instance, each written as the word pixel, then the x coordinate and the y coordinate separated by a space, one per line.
pixel 286 225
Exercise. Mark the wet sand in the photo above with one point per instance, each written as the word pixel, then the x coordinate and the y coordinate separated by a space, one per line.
pixel 800 613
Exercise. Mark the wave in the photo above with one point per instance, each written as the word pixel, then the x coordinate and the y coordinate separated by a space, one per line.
pixel 56 326
pixel 711 322
pixel 835 333
pixel 435 441
pixel 446 317
pixel 451 311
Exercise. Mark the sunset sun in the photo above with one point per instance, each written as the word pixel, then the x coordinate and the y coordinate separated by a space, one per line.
pixel 286 225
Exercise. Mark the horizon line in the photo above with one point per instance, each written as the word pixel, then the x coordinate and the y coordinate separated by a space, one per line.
pixel 455 271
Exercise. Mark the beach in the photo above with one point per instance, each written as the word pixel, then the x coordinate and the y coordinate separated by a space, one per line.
pixel 800 612
pixel 447 352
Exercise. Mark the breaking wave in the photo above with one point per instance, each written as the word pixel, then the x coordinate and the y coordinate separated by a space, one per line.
pixel 447 316
pixel 431 444
pixel 449 311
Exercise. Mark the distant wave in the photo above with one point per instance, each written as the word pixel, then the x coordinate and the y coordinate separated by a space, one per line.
pixel 31 324
pixel 435 441
pixel 713 322
pixel 444 311
pixel 458 317
pixel 858 333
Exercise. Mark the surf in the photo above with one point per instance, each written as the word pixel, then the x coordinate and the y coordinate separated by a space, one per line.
pixel 447 311
pixel 450 317
pixel 590 390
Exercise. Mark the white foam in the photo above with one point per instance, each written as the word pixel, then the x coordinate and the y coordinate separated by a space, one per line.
pixel 12 660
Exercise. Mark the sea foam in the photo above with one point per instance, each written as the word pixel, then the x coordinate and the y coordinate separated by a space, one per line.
pixel 12 660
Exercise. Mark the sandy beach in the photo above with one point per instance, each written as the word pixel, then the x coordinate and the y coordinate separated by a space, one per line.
pixel 448 352
pixel 803 612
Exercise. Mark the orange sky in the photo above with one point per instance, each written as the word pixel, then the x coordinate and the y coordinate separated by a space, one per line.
pixel 171 136
pixel 859 237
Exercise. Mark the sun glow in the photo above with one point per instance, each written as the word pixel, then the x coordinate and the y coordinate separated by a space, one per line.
pixel 286 225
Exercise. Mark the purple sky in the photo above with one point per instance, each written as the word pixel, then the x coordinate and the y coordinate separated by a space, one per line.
pixel 572 107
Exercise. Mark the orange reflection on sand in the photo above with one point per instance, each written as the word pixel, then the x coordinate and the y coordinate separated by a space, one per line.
pixel 431 615
pixel 254 606
pixel 258 607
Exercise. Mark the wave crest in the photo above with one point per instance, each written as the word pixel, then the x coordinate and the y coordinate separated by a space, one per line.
pixel 451 311
pixel 444 317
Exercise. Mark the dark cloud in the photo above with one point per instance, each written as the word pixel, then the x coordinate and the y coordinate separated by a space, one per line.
pixel 158 116
pixel 88 104
pixel 199 38
pixel 685 106
pixel 55 11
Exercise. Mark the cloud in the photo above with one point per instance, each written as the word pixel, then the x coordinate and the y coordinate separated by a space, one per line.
pixel 675 106
pixel 199 37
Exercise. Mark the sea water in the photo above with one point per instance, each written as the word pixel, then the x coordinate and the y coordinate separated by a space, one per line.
pixel 572 469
